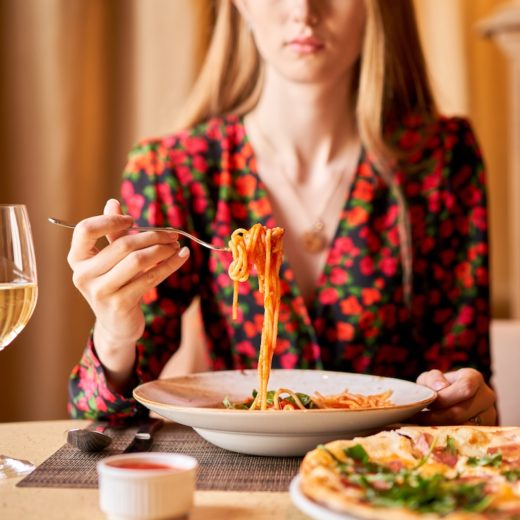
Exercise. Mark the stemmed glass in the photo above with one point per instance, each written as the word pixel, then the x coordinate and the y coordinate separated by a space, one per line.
pixel 18 293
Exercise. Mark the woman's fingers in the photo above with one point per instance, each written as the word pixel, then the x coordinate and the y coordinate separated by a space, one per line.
pixel 465 397
pixel 433 379
pixel 135 244
pixel 135 289
pixel 461 385
pixel 113 207
pixel 131 267
pixel 90 230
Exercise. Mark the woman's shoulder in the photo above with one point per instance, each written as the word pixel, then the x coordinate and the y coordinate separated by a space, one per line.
pixel 439 131
pixel 416 138
pixel 212 135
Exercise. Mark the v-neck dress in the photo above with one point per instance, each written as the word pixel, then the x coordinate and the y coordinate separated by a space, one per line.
pixel 205 180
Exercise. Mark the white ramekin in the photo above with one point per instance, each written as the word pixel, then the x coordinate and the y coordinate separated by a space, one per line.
pixel 147 494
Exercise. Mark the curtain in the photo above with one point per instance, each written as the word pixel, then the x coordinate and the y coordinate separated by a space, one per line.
pixel 82 80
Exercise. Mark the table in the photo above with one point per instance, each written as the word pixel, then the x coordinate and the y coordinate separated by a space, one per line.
pixel 35 441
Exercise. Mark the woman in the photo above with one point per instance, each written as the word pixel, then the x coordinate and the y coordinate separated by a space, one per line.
pixel 316 116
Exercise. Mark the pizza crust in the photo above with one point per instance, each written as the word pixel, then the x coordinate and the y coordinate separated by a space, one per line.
pixel 324 484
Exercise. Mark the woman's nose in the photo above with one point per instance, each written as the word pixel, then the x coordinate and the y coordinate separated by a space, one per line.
pixel 304 11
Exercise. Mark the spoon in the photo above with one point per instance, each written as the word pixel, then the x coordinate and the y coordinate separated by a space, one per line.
pixel 62 223
pixel 89 440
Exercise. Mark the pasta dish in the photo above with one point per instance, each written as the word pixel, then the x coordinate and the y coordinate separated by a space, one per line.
pixel 262 248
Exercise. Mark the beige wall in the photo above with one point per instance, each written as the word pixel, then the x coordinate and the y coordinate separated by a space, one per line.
pixel 82 80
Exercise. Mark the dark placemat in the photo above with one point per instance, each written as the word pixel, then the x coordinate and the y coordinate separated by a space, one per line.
pixel 219 469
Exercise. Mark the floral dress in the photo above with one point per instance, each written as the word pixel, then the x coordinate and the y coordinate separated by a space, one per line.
pixel 205 180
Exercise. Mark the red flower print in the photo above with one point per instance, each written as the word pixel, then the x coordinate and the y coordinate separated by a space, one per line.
pixel 479 218
pixel 370 296
pixel 246 185
pixel 200 205
pixel 466 315
pixel 365 170
pixel 164 193
pixel 434 202
pixel 464 275
pixel 199 163
pixel 246 348
pixel 346 331
pixel 238 161
pixel 350 306
pixel 184 175
pixel 388 266
pixel 155 215
pixel 366 266
pixel 357 216
pixel 134 202
pixel 223 178
pixel 344 244
pixel 238 211
pixel 338 276
pixel 150 296
pixel 482 276
pixel 329 296
pixel 250 329
pixel 282 345
pixel 364 191
pixel 101 404
pixel 409 139
pixel 198 145
pixel 260 207
pixel 289 360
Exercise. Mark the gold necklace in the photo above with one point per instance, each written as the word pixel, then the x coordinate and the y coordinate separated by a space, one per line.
pixel 313 240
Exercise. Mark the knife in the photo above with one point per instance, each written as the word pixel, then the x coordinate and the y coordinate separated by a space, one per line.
pixel 143 438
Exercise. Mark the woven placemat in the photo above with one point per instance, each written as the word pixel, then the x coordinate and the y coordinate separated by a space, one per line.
pixel 219 469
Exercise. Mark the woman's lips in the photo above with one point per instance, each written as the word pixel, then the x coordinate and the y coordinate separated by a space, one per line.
pixel 309 45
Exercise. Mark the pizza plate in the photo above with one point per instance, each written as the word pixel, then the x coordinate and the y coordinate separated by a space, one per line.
pixel 196 400
pixel 311 508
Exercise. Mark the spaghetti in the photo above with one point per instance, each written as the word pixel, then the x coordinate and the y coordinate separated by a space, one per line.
pixel 287 399
pixel 260 247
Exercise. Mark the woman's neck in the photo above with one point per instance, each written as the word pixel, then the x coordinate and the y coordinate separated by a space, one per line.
pixel 310 126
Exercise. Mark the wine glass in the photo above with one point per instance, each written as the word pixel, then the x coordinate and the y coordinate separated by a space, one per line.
pixel 18 293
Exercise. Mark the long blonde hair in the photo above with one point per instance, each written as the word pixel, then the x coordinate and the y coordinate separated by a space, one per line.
pixel 391 76
pixel 391 82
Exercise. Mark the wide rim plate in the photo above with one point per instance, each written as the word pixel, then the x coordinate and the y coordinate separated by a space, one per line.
pixel 194 400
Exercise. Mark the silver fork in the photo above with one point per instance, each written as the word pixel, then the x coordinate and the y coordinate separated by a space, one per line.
pixel 62 223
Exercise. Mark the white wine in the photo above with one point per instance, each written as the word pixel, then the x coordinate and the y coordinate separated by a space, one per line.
pixel 17 302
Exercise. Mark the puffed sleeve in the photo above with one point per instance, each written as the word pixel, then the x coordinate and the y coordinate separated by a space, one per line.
pixel 456 331
pixel 154 195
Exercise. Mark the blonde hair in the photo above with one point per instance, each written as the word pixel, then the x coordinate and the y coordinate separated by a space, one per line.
pixel 391 82
pixel 391 75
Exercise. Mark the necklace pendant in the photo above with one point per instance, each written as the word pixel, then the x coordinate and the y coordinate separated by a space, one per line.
pixel 314 240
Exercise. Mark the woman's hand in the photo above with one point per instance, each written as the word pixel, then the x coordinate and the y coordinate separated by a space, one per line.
pixel 113 280
pixel 462 397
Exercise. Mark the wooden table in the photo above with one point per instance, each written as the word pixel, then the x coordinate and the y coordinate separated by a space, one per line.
pixel 35 441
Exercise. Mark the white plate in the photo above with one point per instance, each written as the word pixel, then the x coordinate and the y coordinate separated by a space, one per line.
pixel 195 400
pixel 311 508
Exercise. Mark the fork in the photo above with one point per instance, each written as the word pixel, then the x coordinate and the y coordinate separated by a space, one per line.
pixel 62 223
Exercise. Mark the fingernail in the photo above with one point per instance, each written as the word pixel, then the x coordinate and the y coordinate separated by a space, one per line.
pixel 184 252
pixel 439 385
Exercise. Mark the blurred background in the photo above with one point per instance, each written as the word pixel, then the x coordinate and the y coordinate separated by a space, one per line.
pixel 83 80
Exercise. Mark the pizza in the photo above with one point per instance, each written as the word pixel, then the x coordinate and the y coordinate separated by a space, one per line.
pixel 448 472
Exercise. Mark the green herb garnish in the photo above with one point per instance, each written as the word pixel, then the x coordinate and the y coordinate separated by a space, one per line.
pixel 487 460
pixel 512 475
